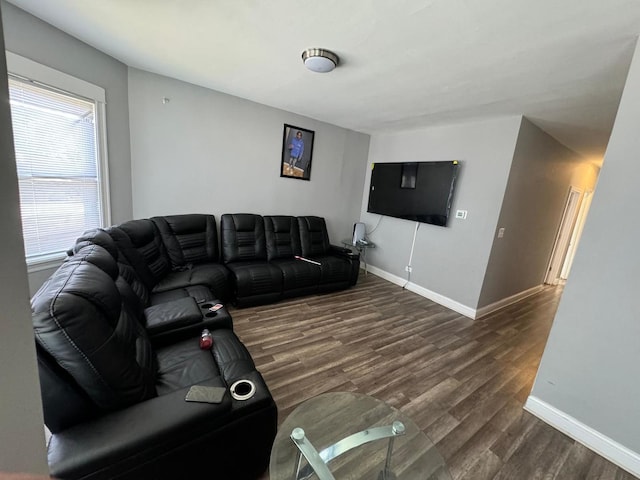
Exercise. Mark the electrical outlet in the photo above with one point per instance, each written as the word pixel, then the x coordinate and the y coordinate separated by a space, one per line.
pixel 407 268
pixel 500 232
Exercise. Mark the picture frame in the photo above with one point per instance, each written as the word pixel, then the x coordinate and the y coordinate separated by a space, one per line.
pixel 297 152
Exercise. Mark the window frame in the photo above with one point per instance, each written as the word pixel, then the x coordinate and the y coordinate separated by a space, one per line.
pixel 47 77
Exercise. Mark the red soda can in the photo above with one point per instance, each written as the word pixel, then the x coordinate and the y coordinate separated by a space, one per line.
pixel 206 340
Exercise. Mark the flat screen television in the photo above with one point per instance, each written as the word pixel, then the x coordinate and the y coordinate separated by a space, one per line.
pixel 419 191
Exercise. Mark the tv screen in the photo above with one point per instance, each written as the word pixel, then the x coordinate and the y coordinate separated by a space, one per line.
pixel 419 191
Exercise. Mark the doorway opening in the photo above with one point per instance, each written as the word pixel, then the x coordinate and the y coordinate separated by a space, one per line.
pixel 577 233
pixel 564 248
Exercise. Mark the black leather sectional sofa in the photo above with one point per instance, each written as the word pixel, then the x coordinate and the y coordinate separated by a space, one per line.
pixel 117 330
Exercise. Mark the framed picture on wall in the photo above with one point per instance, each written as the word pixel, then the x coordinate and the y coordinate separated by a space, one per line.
pixel 297 151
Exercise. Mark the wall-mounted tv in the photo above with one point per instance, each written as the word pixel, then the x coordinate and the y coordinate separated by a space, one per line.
pixel 419 191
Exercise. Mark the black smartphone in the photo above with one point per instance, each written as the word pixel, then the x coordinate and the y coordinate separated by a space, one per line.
pixel 200 393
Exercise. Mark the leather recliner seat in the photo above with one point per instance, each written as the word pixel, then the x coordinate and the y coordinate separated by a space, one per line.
pixel 283 245
pixel 338 269
pixel 244 253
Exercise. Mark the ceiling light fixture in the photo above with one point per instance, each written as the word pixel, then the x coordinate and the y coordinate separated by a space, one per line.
pixel 319 60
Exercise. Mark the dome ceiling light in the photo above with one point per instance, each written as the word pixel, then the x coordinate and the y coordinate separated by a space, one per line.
pixel 319 60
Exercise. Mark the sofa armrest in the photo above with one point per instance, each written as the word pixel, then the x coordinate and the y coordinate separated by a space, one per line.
pixel 120 440
pixel 180 319
pixel 148 438
pixel 344 252
pixel 171 315
pixel 353 257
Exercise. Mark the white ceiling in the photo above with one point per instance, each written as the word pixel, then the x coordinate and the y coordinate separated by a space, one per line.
pixel 404 63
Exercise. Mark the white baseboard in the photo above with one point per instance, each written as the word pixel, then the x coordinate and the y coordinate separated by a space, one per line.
pixel 599 443
pixel 386 275
pixel 442 300
pixel 481 312
pixel 436 297
pixel 449 303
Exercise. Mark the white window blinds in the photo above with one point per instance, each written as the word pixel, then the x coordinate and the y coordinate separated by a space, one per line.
pixel 58 168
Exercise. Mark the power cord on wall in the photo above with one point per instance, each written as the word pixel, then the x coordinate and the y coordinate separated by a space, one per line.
pixel 374 228
pixel 409 267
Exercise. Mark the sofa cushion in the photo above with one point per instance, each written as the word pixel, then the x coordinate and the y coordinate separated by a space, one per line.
pixel 256 279
pixel 212 275
pixel 200 294
pixel 97 236
pixel 81 320
pixel 334 271
pixel 283 237
pixel 242 237
pixel 140 242
pixel 189 238
pixel 133 292
pixel 183 364
pixel 298 276
pixel 314 239
pixel 102 238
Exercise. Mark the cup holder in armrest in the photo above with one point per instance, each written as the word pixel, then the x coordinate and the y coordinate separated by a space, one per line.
pixel 218 318
pixel 243 389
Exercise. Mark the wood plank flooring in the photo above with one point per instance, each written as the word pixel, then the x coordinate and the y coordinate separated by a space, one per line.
pixel 463 381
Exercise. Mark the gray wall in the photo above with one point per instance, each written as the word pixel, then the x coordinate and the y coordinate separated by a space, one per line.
pixel 208 152
pixel 450 261
pixel 541 174
pixel 30 37
pixel 22 443
pixel 589 368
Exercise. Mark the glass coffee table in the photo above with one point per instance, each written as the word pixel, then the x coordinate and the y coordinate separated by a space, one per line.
pixel 352 436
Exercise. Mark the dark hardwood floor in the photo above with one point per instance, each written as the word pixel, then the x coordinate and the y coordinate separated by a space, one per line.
pixel 463 381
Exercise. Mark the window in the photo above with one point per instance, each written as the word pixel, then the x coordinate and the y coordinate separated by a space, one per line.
pixel 57 136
